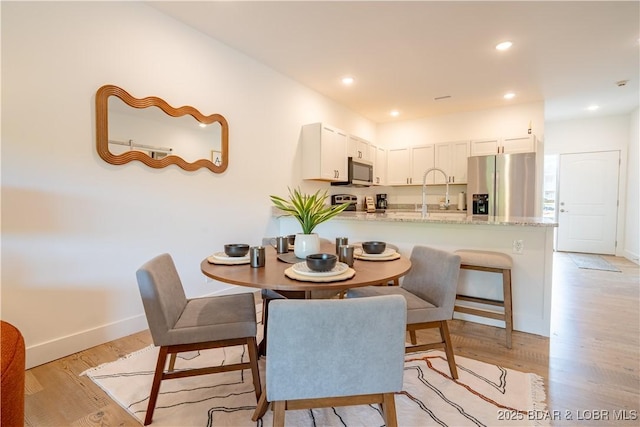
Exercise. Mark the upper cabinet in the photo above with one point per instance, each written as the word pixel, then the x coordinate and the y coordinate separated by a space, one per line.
pixel 452 157
pixel 398 166
pixel 358 148
pixel 406 166
pixel 379 157
pixel 324 153
pixel 422 158
pixel 511 145
pixel 519 144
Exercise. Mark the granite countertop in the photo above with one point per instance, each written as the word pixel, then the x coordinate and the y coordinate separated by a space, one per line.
pixel 446 217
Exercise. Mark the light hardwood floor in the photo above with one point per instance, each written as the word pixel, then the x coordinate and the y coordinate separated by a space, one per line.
pixel 590 364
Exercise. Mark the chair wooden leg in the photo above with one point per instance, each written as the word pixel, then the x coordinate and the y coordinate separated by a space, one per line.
pixel 262 407
pixel 414 340
pixel 278 413
pixel 172 362
pixel 155 386
pixel 252 346
pixel 389 410
pixel 448 349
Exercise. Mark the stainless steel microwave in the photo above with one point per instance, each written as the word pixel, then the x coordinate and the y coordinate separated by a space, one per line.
pixel 359 173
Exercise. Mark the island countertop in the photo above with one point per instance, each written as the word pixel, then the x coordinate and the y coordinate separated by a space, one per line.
pixel 449 217
pixel 529 241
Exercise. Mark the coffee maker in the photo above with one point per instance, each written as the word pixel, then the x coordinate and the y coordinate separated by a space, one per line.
pixel 381 201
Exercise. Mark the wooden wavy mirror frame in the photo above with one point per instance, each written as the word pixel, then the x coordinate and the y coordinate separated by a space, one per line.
pixel 102 134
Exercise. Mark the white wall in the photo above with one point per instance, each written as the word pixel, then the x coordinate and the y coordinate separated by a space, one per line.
pixel 504 121
pixel 74 228
pixel 602 134
pixel 632 214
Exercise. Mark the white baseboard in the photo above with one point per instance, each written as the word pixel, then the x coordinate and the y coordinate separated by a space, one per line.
pixel 631 257
pixel 64 346
pixel 60 347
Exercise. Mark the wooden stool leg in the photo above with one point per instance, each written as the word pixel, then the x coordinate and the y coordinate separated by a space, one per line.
pixel 508 311
pixel 172 362
pixel 412 334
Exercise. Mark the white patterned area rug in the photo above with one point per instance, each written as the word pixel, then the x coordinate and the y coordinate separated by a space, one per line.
pixel 484 395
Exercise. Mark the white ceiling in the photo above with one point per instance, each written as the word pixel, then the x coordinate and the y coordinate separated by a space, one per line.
pixel 405 54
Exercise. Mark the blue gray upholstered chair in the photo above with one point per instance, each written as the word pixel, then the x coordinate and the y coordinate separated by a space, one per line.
pixel 178 324
pixel 268 295
pixel 430 291
pixel 335 352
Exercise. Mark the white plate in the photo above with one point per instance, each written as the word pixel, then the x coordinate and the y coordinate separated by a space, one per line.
pixel 302 269
pixel 224 257
pixel 385 254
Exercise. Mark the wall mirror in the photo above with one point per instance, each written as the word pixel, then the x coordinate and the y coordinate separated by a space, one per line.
pixel 157 134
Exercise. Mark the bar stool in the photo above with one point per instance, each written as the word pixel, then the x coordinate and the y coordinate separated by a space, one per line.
pixel 492 262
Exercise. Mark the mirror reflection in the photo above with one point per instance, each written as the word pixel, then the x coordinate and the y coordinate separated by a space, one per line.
pixel 151 131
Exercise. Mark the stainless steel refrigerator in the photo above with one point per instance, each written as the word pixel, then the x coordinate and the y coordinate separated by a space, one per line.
pixel 502 185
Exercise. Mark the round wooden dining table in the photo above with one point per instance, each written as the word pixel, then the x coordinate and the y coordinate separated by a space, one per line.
pixel 272 275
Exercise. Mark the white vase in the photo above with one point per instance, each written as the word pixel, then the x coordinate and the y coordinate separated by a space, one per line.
pixel 306 244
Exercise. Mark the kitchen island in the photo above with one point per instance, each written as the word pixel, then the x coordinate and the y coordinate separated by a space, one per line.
pixel 529 241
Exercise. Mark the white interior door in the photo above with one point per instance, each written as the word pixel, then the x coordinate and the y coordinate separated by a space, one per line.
pixel 588 202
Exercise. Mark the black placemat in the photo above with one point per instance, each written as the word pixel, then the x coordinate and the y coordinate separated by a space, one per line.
pixel 290 258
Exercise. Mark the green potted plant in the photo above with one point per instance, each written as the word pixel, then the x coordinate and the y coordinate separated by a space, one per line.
pixel 309 210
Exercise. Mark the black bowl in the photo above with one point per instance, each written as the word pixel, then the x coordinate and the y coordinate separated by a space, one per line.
pixel 321 262
pixel 374 247
pixel 236 249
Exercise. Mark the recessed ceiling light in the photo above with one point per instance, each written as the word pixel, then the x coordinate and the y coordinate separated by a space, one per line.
pixel 509 95
pixel 504 45
pixel 202 125
pixel 593 107
pixel 394 113
pixel 348 80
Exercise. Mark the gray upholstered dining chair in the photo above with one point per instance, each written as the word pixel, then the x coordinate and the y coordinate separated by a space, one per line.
pixel 430 291
pixel 178 324
pixel 325 353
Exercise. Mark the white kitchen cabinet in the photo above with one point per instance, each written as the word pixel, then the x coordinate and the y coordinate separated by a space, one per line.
pixel 519 144
pixel 398 166
pixel 379 155
pixel 406 166
pixel 452 157
pixel 484 147
pixel 508 145
pixel 422 158
pixel 324 153
pixel 358 148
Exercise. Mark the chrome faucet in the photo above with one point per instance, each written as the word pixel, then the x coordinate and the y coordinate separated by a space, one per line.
pixel 424 190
